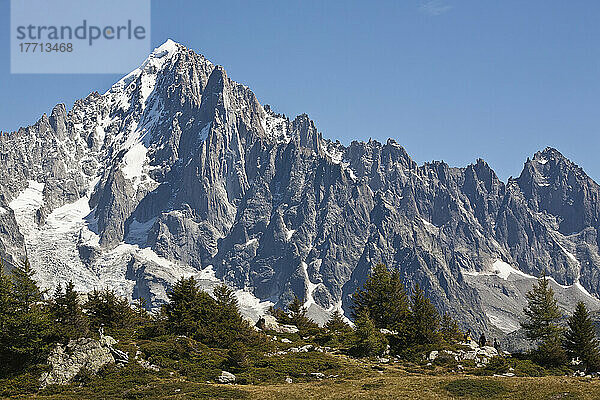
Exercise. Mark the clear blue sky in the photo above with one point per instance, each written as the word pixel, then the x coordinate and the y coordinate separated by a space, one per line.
pixel 448 79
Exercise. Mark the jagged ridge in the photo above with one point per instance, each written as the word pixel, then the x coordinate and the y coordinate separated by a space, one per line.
pixel 179 170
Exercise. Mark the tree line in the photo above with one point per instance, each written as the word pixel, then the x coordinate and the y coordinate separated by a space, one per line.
pixel 387 319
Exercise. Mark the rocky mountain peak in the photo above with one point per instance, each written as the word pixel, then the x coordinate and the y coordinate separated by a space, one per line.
pixel 179 170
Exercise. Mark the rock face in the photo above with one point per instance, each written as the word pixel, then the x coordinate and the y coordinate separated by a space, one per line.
pixel 68 361
pixel 178 170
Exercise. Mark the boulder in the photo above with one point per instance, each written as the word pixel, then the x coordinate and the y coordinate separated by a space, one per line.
pixel 433 355
pixel 487 351
pixel 226 377
pixel 68 361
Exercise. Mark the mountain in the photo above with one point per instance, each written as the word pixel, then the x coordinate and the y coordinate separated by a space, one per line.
pixel 177 170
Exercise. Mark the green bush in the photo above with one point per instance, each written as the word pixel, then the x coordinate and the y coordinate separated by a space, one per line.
pixel 23 384
pixel 497 365
pixel 476 388
pixel 528 368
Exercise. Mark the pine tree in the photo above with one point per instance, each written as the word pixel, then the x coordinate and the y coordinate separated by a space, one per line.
pixel 425 319
pixel 26 330
pixel 225 298
pixel 194 313
pixel 368 340
pixel 67 312
pixel 542 324
pixel 297 315
pixel 337 325
pixel 542 311
pixel 384 298
pixel 580 338
pixel 105 308
pixel 140 308
pixel 449 329
pixel 25 291
pixel 5 316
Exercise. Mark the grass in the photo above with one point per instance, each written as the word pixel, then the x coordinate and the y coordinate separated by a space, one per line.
pixel 357 380
pixel 186 366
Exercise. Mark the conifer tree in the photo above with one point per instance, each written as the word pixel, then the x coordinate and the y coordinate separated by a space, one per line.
pixel 542 311
pixel 337 332
pixel 297 314
pixel 425 319
pixel 368 340
pixel 184 305
pixel 449 329
pixel 225 298
pixel 195 313
pixel 542 324
pixel 26 330
pixel 580 338
pixel 5 314
pixel 337 325
pixel 228 316
pixel 107 309
pixel 67 312
pixel 141 313
pixel 384 298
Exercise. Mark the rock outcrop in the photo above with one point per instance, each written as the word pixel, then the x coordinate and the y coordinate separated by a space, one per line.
pixel 79 355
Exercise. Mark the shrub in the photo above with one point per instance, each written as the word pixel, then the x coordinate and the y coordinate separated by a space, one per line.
pixel 477 388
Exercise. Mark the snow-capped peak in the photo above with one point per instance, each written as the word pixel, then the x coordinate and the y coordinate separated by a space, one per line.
pixel 167 48
pixel 155 62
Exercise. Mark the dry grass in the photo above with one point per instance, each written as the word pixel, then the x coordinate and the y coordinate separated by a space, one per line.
pixel 401 386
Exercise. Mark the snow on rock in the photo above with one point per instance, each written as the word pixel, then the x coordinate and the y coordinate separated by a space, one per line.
pixel 134 162
pixel 29 199
pixel 276 128
pixel 501 269
pixel 310 287
pixel 503 322
pixel 250 306
pixel 504 270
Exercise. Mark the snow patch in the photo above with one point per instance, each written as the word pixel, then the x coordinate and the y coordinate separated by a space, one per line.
pixel 29 199
pixel 276 128
pixel 501 269
pixel 351 173
pixel 502 322
pixel 427 223
pixel 133 163
pixel 569 255
pixel 289 234
pixel 250 242
pixel 251 306
pixel 207 273
pixel 335 155
pixel 167 48
pixel 310 287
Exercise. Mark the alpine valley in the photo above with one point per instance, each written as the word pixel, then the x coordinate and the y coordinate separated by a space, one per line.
pixel 177 171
